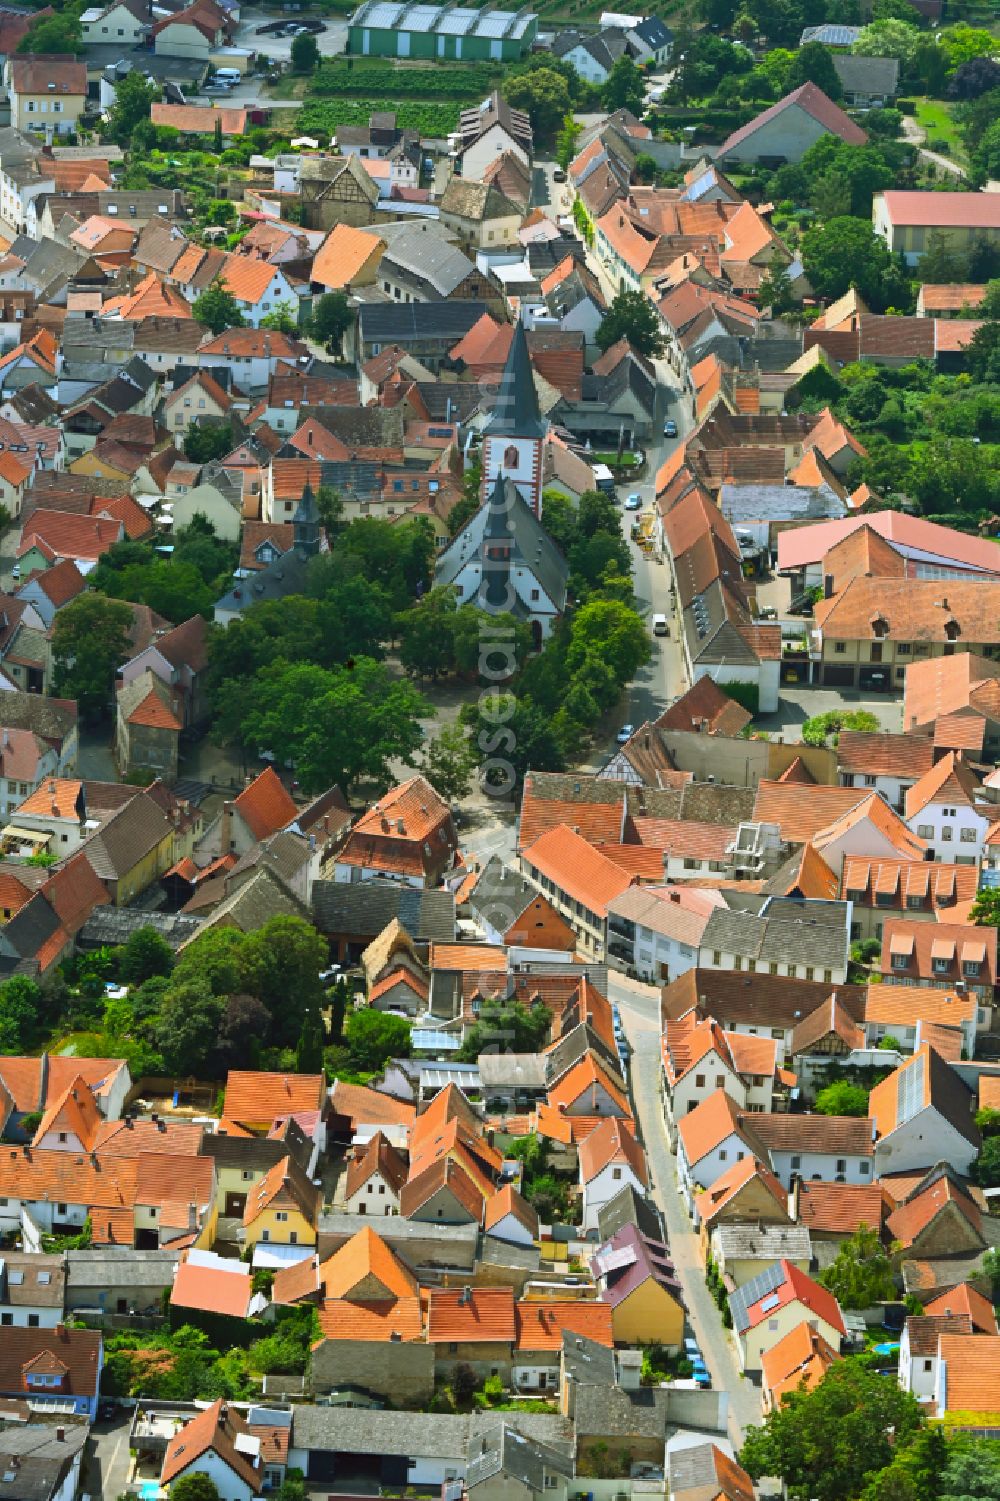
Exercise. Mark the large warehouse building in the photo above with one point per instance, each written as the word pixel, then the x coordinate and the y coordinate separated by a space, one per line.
pixel 383 28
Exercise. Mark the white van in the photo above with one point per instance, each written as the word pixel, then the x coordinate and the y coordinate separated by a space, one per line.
pixel 660 627
pixel 227 75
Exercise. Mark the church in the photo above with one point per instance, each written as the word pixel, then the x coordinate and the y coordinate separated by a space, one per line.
pixel 503 560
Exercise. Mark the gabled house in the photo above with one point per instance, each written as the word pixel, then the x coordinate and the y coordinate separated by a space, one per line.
pixel 216 1443
pixel 147 729
pixel 473 1326
pixel 178 658
pixel 746 1193
pixel 408 835
pixel 636 1279
pixel 768 1308
pixel 937 1218
pixel 56 1368
pixel 509 1217
pixel 881 891
pixel 709 1140
pixel 283 1208
pixel 923 1114
pixel 260 810
pixel 942 955
pixel 798 1361
pixel 968 1374
pixel 946 809
pixel 785 131
pixel 375 1176
pixel 918 1350
pixel 610 1160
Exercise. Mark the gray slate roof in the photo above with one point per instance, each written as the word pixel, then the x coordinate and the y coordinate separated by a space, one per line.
pixel 867 75
pixel 741 503
pixel 630 1208
pixel 364 908
pixel 114 925
pixel 502 1449
pixel 764 1242
pixel 435 1435
pixel 800 934
pixel 37 1459
pixel 120 1267
pixel 412 322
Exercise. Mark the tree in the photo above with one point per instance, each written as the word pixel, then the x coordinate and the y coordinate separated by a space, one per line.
pixel 244 1030
pixel 194 1487
pixel 985 909
pixel 309 1048
pixel 280 964
pixel 217 309
pixel 513 1028
pixel 144 955
pixel 53 33
pixel 284 319
pixel 775 291
pixel 212 441
pixel 975 77
pixel 336 725
pixel 19 1006
pixel 426 647
pixel 134 98
pixel 330 507
pixel 826 1443
pixel 372 1036
pixel 304 53
pixel 842 1098
pixel 986 1168
pixel 613 632
pixel 632 316
pixel 846 252
pixel 449 761
pixel 187 1027
pixel 338 1009
pixel 463 510
pixel 813 63
pixel 861 1273
pixel 623 88
pixel 890 38
pixel 331 318
pixel 962 43
pixel 89 642
pixel 566 140
pixel 982 353
pixel 544 93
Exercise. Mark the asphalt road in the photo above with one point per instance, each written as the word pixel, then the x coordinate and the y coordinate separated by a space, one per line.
pixel 639 1007
pixel 106 1459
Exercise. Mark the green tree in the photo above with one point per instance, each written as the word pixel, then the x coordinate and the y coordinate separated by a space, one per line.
pixel 54 33
pixel 396 556
pixel 202 444
pixel 373 1036
pixel 889 38
pixel 89 641
pixel 962 43
pixel 612 632
pixel 214 957
pixel 331 318
pixel 842 1098
pixel 19 1007
pixel 449 761
pixel 846 252
pixel 559 514
pixel 330 505
pixel 280 964
pixel 544 93
pixel 983 353
pixel 134 98
pixel 194 1487
pixel 284 319
pixel 825 1444
pixel 631 316
pixel 860 1275
pixel 813 63
pixel 187 1027
pixel 426 646
pixel 986 1168
pixel 510 1028
pixel 985 909
pixel 217 309
pixel 304 53
pixel 464 509
pixel 337 725
pixel 144 955
pixel 623 88
pixel 566 140
pixel 309 1048
pixel 339 998
pixel 775 291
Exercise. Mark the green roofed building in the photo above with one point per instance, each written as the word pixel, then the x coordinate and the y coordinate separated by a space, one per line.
pixel 385 28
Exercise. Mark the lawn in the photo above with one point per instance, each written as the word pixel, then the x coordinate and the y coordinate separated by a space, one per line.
pixel 937 121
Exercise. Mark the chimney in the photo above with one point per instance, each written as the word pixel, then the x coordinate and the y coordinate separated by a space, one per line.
pixel 793 1197
pixel 60 1435
pixel 828 586
pixel 466 1297
pixel 227 828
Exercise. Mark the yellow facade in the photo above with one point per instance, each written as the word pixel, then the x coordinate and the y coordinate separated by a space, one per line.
pixel 146 871
pixel 281 1226
pixel 45 112
pixel 647 1315
pixel 97 468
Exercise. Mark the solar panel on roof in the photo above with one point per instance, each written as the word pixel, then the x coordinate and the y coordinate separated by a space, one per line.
pixel 771 1301
pixel 910 1090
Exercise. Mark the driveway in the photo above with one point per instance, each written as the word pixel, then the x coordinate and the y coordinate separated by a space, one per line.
pixel 639 1007
pixel 332 41
pixel 106 1458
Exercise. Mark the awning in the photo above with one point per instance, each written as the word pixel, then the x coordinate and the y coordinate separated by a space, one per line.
pixel 944 888
pixel 974 952
pixel 26 836
pixel 918 880
pixel 887 880
pixel 943 948
pixel 901 943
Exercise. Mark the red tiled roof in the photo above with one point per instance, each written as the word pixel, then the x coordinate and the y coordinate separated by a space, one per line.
pixel 266 805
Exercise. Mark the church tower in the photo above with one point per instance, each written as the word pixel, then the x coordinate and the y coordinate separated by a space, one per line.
pixel 514 436
pixel 305 523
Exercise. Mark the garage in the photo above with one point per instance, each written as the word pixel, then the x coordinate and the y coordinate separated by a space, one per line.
pixel 838 677
pixel 875 680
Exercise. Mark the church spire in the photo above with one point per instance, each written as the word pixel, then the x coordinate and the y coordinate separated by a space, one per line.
pixel 516 413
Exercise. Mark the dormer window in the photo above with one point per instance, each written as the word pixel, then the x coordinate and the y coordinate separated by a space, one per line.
pixel 880 627
pixel 952 630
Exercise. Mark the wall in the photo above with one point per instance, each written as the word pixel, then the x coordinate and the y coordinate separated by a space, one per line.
pixel 821 1166
pixel 404 1372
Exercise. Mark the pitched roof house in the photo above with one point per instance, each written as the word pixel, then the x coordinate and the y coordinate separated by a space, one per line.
pixel 785 131
pixel 923 1114
pixel 774 1303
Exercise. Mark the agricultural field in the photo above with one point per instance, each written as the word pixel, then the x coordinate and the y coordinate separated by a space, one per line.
pixel 322 116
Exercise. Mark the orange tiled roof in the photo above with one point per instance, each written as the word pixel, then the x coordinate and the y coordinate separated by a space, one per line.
pixel 540 1325
pixel 484 1315
pixel 612 1140
pixel 965 1299
pixel 368 1268
pixel 799 1360
pixel 259 1098
pixel 266 805
pixel 368 1322
pixel 582 1082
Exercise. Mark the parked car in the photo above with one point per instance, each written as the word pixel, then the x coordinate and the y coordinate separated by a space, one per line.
pixel 670 428
pixel 634 502
pixel 625 733
pixel 559 175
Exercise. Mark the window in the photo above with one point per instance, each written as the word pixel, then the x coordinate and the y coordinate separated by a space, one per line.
pixel 967 836
pixel 796 1163
pixel 928 1365
pixel 810 973
pixel 723 1154
pixel 925 830
pixel 699 1081
pixel 970 967
pixel 946 834
pixel 33 1320
pixel 281 1216
pixel 900 961
pixel 864 1168
pixel 841 1165
pixel 940 966
pixel 616 1174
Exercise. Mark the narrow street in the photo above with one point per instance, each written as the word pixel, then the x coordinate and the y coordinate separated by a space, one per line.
pixel 639 1006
